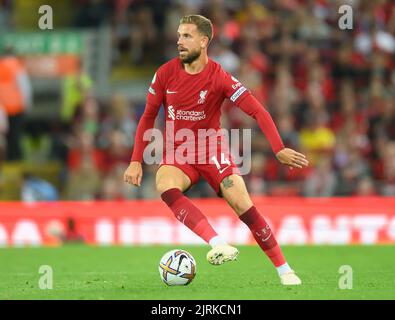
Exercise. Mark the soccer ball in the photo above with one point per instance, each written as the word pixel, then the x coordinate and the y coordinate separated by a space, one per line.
pixel 177 268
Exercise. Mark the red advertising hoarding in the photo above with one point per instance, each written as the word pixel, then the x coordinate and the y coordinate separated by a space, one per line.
pixel 294 221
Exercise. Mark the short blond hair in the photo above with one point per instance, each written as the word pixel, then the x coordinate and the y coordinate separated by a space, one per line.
pixel 203 24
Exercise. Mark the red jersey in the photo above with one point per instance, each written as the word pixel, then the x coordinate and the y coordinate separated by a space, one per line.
pixel 193 101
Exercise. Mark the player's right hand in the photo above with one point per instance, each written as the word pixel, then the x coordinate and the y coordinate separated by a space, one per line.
pixel 292 158
pixel 134 173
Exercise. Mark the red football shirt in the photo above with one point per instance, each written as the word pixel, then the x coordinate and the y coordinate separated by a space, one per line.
pixel 193 101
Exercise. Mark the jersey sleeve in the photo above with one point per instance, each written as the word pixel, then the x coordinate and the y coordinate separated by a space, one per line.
pixel 251 106
pixel 155 92
pixel 232 88
pixel 147 121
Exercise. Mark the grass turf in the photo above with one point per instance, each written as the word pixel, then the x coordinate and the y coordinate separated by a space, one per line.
pixel 85 272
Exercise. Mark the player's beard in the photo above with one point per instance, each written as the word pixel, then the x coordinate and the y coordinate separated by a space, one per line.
pixel 193 56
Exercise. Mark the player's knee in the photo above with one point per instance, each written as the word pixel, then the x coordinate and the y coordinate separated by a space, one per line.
pixel 241 205
pixel 163 185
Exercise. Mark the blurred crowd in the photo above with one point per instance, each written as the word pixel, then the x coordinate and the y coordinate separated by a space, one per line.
pixel 330 91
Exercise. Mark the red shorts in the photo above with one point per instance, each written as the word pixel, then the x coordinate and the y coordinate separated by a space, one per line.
pixel 214 170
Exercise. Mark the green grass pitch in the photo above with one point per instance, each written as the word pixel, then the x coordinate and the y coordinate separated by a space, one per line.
pixel 87 272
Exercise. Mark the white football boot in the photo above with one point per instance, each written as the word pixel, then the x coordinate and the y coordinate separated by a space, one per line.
pixel 222 253
pixel 290 279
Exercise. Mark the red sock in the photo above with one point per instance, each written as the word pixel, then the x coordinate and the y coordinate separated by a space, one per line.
pixel 186 212
pixel 263 235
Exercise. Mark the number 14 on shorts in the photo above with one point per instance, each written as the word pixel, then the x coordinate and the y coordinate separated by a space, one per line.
pixel 224 161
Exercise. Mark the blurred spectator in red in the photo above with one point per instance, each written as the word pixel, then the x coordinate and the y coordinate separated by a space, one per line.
pixel 82 148
pixel 118 151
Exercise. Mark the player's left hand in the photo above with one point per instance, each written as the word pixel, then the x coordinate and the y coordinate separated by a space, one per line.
pixel 292 158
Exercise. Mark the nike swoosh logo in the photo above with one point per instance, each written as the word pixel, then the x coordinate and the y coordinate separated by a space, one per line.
pixel 170 92
pixel 220 171
pixel 267 238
